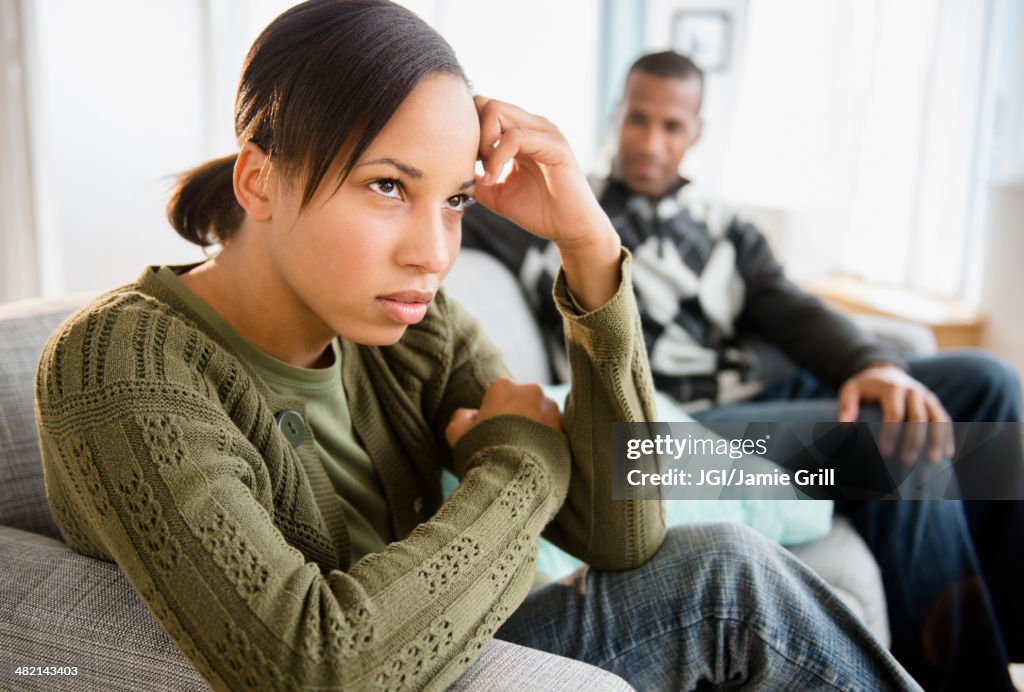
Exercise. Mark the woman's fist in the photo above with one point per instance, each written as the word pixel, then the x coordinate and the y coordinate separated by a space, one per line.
pixel 505 397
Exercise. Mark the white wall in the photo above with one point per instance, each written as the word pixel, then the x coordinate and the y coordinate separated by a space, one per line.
pixel 1003 273
pixel 538 54
pixel 18 270
pixel 113 89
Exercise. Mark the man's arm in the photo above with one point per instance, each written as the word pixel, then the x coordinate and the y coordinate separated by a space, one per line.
pixel 813 335
pixel 482 229
pixel 833 348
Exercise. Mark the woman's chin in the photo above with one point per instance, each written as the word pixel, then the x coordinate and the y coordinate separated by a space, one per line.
pixel 374 335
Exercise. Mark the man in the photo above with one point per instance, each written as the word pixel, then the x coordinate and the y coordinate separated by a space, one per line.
pixel 724 328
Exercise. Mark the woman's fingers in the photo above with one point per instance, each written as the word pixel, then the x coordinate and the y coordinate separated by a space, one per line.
pixel 500 122
pixel 496 157
pixel 547 194
pixel 497 117
pixel 506 397
pixel 525 147
pixel 462 420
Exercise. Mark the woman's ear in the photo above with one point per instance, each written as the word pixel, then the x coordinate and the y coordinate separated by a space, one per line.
pixel 250 182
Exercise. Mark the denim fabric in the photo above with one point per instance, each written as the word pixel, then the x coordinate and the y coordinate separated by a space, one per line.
pixel 948 567
pixel 717 606
pixel 976 387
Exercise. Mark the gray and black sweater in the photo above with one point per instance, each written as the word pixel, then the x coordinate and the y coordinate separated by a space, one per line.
pixel 720 318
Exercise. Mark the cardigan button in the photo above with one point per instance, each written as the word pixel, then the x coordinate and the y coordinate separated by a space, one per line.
pixel 292 425
pixel 417 505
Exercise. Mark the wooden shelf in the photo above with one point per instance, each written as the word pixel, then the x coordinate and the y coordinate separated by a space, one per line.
pixel 954 325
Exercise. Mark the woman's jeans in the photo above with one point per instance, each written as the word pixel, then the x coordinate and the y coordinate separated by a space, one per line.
pixel 718 605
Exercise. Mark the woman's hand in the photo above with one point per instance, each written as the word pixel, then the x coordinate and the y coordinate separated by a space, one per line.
pixel 506 397
pixel 546 193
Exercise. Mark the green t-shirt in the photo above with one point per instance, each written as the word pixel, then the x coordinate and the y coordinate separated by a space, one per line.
pixel 347 464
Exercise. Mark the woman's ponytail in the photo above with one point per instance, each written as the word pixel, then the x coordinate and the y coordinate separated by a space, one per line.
pixel 203 208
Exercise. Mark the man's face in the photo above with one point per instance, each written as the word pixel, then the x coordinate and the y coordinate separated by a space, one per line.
pixel 661 120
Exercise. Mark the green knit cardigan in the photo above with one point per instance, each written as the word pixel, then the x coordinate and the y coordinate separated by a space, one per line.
pixel 161 453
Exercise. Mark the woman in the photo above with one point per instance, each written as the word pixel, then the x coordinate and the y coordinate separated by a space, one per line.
pixel 257 440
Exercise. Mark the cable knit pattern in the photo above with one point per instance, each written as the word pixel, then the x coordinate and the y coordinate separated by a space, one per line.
pixel 161 453
pixel 445 568
pixel 337 632
pixel 405 669
pixel 228 547
pixel 488 626
pixel 146 517
pixel 78 453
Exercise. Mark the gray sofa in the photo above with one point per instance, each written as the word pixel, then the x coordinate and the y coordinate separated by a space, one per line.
pixel 58 608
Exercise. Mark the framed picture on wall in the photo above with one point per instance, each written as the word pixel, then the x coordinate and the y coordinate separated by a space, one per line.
pixel 705 36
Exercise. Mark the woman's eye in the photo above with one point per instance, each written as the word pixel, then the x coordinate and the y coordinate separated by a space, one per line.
pixel 459 202
pixel 386 187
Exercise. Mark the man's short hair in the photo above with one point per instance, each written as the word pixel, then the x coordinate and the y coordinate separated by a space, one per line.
pixel 668 64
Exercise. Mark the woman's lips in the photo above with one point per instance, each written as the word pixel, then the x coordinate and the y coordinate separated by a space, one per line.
pixel 406 307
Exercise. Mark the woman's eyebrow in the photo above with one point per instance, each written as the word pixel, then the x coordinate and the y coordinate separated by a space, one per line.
pixel 410 171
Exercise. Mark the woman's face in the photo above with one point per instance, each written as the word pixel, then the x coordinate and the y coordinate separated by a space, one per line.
pixel 367 260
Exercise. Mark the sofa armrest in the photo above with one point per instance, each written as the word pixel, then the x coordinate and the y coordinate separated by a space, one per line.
pixel 909 338
pixel 59 608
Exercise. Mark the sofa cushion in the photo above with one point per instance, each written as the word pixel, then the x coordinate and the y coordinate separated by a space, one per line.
pixel 844 560
pixel 24 328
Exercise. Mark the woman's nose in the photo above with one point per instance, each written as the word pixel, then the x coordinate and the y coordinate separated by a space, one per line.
pixel 425 243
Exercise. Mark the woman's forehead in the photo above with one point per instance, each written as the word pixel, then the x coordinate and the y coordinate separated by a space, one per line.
pixel 435 127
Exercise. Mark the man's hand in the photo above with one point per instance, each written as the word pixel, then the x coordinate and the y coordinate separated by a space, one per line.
pixel 901 398
pixel 506 397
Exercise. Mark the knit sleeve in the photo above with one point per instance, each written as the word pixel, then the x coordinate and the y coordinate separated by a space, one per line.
pixel 611 382
pixel 147 465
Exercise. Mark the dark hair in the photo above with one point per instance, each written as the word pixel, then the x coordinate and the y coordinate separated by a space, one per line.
pixel 320 82
pixel 670 65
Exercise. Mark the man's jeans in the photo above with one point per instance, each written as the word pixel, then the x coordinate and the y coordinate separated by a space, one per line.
pixel 717 605
pixel 948 567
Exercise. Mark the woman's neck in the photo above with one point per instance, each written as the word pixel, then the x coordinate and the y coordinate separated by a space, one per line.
pixel 243 287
